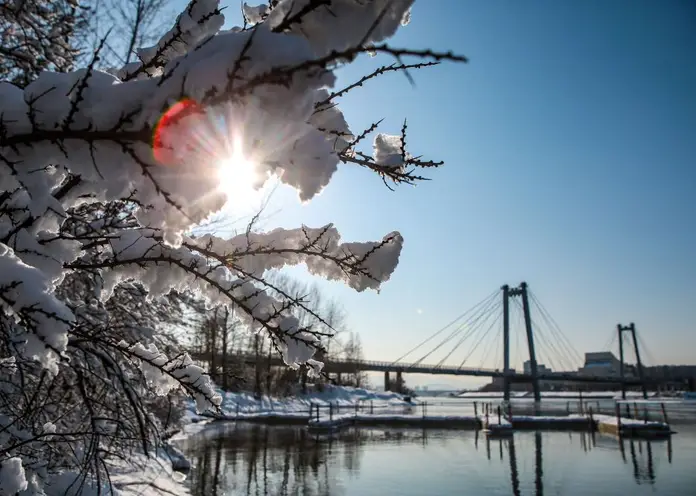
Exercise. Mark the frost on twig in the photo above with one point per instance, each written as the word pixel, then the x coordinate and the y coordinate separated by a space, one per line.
pixel 104 175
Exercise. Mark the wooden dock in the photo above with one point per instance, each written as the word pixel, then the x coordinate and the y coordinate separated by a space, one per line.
pixel 625 427
pixel 375 420
pixel 553 423
pixel 493 421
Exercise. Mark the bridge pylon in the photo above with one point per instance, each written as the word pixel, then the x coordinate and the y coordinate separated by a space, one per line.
pixel 509 292
pixel 639 364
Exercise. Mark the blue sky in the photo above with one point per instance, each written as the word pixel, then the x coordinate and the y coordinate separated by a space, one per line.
pixel 570 149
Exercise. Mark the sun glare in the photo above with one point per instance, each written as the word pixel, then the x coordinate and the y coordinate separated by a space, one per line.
pixel 237 175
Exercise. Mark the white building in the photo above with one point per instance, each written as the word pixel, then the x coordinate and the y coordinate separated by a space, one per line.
pixel 603 363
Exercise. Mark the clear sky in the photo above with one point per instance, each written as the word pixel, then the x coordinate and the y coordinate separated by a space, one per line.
pixel 570 149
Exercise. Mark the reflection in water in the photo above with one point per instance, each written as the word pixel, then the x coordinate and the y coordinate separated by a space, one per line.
pixel 257 459
pixel 278 460
pixel 514 474
pixel 642 459
pixel 643 462
pixel 538 470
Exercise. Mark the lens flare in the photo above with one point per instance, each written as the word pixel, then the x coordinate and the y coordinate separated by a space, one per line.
pixel 177 120
pixel 209 142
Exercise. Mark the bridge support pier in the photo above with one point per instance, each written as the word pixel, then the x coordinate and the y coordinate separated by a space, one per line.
pixel 399 382
pixel 386 381
pixel 338 378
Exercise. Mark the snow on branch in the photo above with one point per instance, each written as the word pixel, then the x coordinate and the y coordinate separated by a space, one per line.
pixel 103 177
pixel 26 299
pixel 116 137
pixel 166 374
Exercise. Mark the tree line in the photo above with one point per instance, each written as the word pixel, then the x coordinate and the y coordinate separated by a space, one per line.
pixel 228 342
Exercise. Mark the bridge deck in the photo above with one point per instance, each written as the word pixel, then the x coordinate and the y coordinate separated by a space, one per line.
pixel 349 366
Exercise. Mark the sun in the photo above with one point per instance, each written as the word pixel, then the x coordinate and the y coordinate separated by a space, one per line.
pixel 238 177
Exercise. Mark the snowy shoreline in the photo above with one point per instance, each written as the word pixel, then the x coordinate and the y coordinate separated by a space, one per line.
pixel 243 406
pixel 160 474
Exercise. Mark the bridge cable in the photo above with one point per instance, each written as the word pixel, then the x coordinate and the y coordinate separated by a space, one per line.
pixel 483 311
pixel 642 349
pixel 497 339
pixel 479 342
pixel 556 330
pixel 546 349
pixel 569 352
pixel 539 338
pixel 610 342
pixel 646 352
pixel 564 360
pixel 557 347
pixel 491 296
pixel 563 339
pixel 518 348
pixel 461 328
pixel 497 349
pixel 474 328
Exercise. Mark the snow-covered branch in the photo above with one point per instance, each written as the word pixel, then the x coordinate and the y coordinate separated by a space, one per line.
pixel 103 176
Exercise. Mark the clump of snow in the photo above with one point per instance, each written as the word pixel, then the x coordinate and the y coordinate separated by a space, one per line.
pixel 12 478
pixel 25 293
pixel 389 151
pixel 49 428
pixel 165 374
pixel 254 14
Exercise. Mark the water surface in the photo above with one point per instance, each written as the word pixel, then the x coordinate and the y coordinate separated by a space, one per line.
pixel 240 459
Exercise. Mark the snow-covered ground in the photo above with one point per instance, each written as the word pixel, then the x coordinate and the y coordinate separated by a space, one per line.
pixel 156 476
pixel 244 404
pixel 153 476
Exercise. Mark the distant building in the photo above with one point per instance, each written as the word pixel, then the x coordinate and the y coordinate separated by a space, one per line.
pixel 541 368
pixel 603 363
pixel 677 375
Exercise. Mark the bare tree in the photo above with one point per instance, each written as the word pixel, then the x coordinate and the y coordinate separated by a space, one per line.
pixel 38 35
pixel 353 352
pixel 126 25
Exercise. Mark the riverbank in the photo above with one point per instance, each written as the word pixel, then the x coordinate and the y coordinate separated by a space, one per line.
pixel 158 476
pixel 343 406
pixel 244 406
pixel 150 476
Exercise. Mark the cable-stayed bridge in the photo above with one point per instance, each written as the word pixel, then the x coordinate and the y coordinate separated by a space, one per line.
pixel 483 335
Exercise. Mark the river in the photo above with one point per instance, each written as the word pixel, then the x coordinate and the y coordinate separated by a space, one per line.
pixel 236 458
